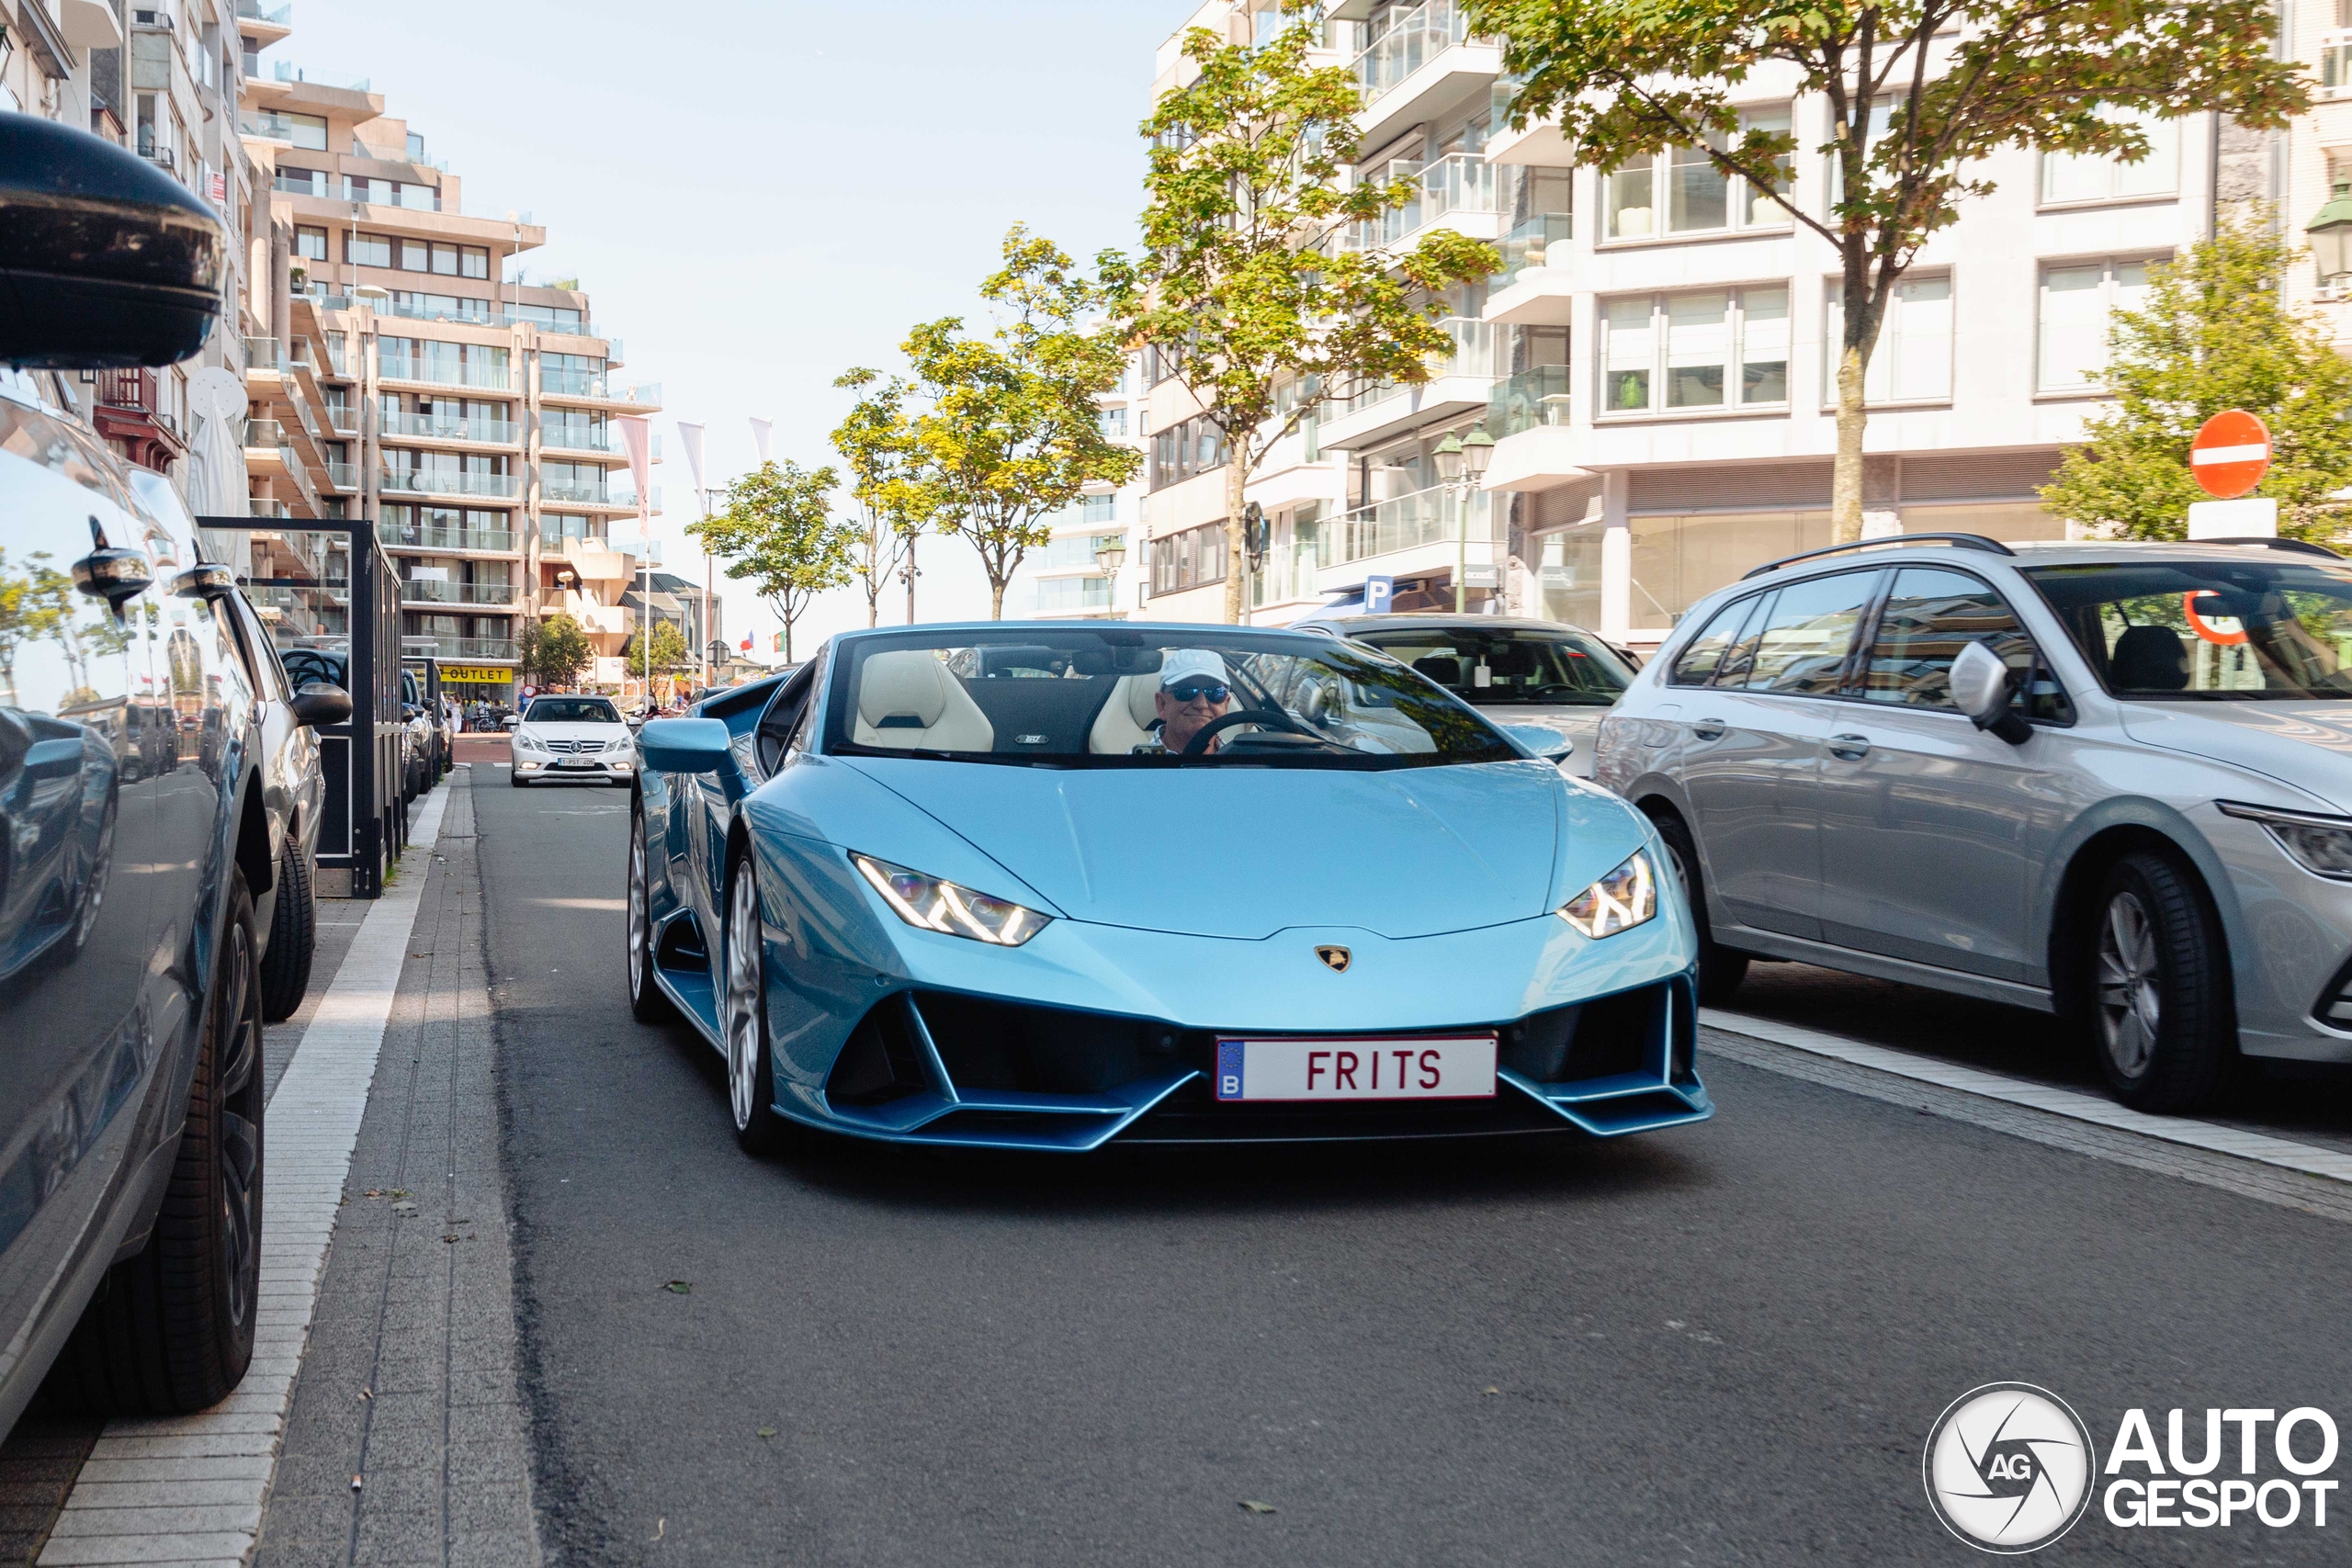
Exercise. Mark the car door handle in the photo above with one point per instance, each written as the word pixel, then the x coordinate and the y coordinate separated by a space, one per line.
pixel 1708 728
pixel 1849 747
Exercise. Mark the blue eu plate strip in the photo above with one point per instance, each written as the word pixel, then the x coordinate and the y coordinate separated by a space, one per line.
pixel 1228 1069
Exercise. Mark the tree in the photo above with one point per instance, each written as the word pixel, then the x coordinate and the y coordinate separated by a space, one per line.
pixel 555 651
pixel 2215 333
pixel 1011 433
pixel 671 653
pixel 896 504
pixel 1921 90
pixel 1254 285
pixel 779 520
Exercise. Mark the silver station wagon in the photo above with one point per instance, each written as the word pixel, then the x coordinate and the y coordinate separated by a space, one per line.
pixel 2111 781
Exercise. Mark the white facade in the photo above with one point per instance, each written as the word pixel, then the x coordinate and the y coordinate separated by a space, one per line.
pixel 1069 578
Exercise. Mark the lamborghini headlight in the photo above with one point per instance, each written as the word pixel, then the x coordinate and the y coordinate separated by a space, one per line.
pixel 940 906
pixel 1619 901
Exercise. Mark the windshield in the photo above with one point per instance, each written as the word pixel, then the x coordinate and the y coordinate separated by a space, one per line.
pixel 2242 630
pixel 1115 696
pixel 571 710
pixel 1506 667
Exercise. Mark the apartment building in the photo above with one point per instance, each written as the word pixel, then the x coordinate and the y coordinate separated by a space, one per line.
pixel 1089 571
pixel 1653 360
pixel 400 370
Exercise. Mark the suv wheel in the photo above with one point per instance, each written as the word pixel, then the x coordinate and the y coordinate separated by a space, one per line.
pixel 171 1330
pixel 2160 1006
pixel 1721 969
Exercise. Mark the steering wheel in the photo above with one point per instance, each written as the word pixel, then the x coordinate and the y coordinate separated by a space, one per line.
pixel 1272 718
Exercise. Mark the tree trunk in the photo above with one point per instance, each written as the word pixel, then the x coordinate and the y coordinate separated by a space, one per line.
pixel 1237 554
pixel 1859 335
pixel 996 597
pixel 911 583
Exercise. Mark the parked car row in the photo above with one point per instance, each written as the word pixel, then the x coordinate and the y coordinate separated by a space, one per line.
pixel 160 805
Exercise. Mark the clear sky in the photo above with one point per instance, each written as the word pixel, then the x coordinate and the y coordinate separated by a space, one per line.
pixel 758 195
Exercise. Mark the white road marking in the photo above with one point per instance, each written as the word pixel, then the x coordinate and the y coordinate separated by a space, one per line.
pixel 2307 1159
pixel 615 905
pixel 190 1488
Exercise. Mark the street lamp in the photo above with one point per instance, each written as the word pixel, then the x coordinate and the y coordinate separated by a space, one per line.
pixel 1110 552
pixel 2330 232
pixel 1461 469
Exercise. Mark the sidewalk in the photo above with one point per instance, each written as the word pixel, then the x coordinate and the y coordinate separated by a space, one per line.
pixel 380 1423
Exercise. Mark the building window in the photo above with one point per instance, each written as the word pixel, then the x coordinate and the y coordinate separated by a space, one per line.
pixel 1192 559
pixel 1098 509
pixel 310 244
pixel 1913 360
pixel 415 255
pixel 1696 195
pixel 2071 177
pixel 1114 422
pixel 1182 451
pixel 2078 299
pixel 370 250
pixel 300 182
pixel 308 131
pixel 1714 348
pixel 473 261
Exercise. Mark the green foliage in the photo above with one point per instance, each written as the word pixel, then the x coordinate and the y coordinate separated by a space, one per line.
pixel 1924 89
pixel 779 521
pixel 554 651
pixel 671 653
pixel 2214 334
pixel 1250 283
pixel 1011 433
pixel 897 502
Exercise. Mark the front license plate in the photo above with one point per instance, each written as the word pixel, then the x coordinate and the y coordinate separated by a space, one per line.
pixel 579 763
pixel 1455 1066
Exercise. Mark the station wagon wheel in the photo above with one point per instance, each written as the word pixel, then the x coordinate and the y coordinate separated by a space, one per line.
pixel 1721 969
pixel 2164 1017
pixel 744 1019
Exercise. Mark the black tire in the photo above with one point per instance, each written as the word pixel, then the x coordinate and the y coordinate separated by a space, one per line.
pixel 515 778
pixel 171 1330
pixel 646 999
pixel 293 938
pixel 1721 969
pixel 2163 1019
pixel 744 1023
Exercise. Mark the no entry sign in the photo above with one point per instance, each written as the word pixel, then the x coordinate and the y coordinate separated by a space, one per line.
pixel 2231 454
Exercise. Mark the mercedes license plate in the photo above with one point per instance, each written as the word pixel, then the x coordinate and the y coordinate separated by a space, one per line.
pixel 1371 1067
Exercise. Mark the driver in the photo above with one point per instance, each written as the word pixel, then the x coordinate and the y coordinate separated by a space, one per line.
pixel 1194 690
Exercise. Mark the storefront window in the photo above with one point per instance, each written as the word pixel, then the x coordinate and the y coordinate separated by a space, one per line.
pixel 1568 576
pixel 1679 560
pixel 2014 521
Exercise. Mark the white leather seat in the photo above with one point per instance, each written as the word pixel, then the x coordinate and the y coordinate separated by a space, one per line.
pixel 1123 725
pixel 908 701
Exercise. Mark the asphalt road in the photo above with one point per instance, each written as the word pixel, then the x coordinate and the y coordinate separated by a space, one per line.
pixel 1722 1345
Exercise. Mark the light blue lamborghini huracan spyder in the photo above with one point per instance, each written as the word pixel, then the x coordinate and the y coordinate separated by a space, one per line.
pixel 1050 886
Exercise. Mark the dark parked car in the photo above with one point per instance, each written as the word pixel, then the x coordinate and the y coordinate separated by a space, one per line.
pixel 134 836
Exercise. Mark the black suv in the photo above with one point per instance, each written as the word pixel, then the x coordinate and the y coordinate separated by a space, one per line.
pixel 133 837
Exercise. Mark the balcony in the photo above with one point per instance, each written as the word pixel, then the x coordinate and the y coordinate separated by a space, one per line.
pixel 344 476
pixel 1069 596
pixel 1530 289
pixel 558 382
pixel 344 418
pixel 440 373
pixel 1421 517
pixel 500 647
pixel 425 591
pixel 425 537
pixel 575 438
pixel 1425 67
pixel 1527 400
pixel 1458 383
pixel 126 410
pixel 576 492
pixel 1458 193
pixel 451 427
pixel 265 434
pixel 449 481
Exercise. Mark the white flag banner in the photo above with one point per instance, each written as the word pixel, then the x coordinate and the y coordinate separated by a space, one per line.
pixel 637 439
pixel 763 438
pixel 690 439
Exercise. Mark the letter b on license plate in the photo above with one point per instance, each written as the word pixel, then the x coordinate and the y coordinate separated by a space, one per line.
pixel 1456 1067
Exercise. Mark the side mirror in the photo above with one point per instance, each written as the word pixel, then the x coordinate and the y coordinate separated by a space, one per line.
pixel 1544 742
pixel 104 260
pixel 319 704
pixel 1980 688
pixel 686 745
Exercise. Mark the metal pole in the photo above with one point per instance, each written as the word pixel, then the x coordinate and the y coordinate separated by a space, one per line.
pixel 367 867
pixel 1461 548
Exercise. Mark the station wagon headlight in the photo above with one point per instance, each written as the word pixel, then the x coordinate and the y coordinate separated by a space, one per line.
pixel 1619 901
pixel 2321 845
pixel 937 904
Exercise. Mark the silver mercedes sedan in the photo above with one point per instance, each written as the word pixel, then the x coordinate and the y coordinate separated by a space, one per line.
pixel 2112 781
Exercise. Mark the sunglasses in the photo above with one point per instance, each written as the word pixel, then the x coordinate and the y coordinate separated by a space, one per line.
pixel 1193 691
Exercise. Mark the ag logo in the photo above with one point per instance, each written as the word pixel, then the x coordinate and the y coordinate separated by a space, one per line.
pixel 1338 958
pixel 2009 1468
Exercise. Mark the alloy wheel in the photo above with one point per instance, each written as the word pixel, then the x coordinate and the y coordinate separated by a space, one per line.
pixel 638 954
pixel 2130 1008
pixel 240 1098
pixel 744 999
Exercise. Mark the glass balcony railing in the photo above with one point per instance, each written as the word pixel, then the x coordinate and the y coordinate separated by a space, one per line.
pixel 275 16
pixel 443 373
pixel 580 438
pixel 461 646
pixel 264 354
pixel 262 506
pixel 1528 244
pixel 426 536
pixel 1460 182
pixel 569 383
pixel 422 591
pixel 1422 517
pixel 263 433
pixel 1062 595
pixel 1414 38
pixel 1531 398
pixel 450 427
pixel 344 418
pixel 1473 355
pixel 448 481
pixel 344 476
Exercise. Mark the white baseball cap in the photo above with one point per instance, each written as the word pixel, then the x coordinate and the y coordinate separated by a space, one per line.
pixel 1183 663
